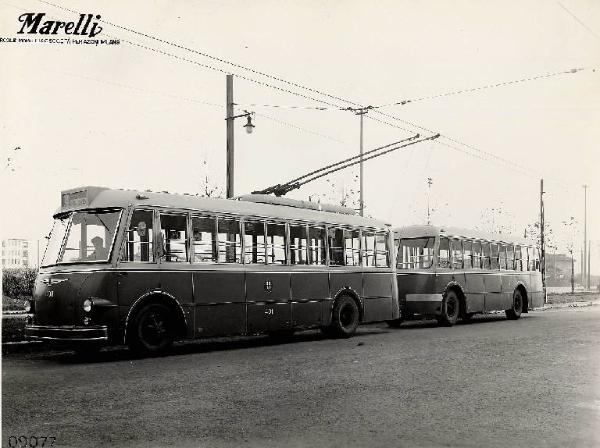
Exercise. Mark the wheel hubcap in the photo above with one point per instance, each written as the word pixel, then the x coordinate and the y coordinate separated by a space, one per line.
pixel 346 316
pixel 154 328
pixel 451 307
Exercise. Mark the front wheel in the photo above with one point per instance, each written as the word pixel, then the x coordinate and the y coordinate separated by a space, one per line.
pixel 450 309
pixel 152 329
pixel 517 308
pixel 345 317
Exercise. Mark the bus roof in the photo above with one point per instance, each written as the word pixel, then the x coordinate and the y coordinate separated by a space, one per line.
pixel 90 197
pixel 417 231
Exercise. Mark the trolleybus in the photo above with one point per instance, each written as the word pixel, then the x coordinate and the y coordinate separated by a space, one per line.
pixel 146 268
pixel 451 273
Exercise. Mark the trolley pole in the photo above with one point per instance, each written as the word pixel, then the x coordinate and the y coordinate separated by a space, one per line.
pixel 229 120
pixel 542 242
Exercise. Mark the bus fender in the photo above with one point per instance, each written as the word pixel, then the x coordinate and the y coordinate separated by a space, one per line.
pixel 352 293
pixel 161 297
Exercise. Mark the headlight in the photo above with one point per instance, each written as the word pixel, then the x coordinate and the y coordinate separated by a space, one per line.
pixel 87 305
pixel 28 306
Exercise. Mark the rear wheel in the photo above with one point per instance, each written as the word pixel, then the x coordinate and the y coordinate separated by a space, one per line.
pixel 517 308
pixel 152 329
pixel 450 309
pixel 345 317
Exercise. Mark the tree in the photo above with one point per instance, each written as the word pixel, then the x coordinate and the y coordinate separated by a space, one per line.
pixel 207 187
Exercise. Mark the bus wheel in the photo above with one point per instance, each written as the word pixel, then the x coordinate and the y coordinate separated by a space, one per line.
pixel 515 312
pixel 450 309
pixel 345 317
pixel 152 329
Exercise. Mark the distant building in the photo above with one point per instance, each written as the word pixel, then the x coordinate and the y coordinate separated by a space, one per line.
pixel 16 253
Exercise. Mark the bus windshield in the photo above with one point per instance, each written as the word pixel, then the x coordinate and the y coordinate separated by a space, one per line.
pixel 85 236
pixel 415 253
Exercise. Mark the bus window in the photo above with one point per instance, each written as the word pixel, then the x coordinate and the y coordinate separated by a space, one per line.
pixel 444 253
pixel 477 255
pixel 502 256
pixel 415 253
pixel 495 264
pixel 486 255
pixel 518 259
pixel 510 257
pixel 298 244
pixel 229 242
pixel 524 252
pixel 173 229
pixel 316 250
pixel 368 248
pixel 254 242
pixel 90 236
pixel 336 246
pixel 203 233
pixel 457 254
pixel 536 257
pixel 468 254
pixel 382 254
pixel 276 253
pixel 352 247
pixel 140 244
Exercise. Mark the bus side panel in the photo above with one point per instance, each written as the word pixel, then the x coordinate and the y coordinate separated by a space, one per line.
pixel 509 283
pixel 268 303
pixel 475 291
pixel 220 303
pixel 377 293
pixel 536 292
pixel 493 291
pixel 176 280
pixel 338 281
pixel 309 291
pixel 418 293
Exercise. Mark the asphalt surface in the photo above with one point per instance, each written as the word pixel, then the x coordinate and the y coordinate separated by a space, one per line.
pixel 492 382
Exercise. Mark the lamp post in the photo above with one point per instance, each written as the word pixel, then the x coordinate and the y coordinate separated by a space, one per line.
pixel 230 133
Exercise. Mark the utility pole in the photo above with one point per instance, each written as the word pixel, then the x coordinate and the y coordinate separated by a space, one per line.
pixel 585 281
pixel 360 111
pixel 229 120
pixel 589 262
pixel 542 243
pixel 429 182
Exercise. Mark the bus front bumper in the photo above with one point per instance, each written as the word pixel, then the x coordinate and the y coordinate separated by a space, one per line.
pixel 67 333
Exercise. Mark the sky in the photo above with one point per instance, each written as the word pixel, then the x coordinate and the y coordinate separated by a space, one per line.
pixel 149 115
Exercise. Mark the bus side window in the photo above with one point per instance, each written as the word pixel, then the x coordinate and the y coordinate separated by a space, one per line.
pixel 510 257
pixel 368 248
pixel 229 241
pixel 486 255
pixel 477 254
pixel 518 259
pixel 382 254
pixel 457 254
pixel 524 252
pixel 254 242
pixel 139 246
pixel 468 254
pixel 298 244
pixel 502 256
pixel 203 236
pixel 495 254
pixel 536 256
pixel 316 250
pixel 173 229
pixel 276 252
pixel 444 253
pixel 336 246
pixel 352 247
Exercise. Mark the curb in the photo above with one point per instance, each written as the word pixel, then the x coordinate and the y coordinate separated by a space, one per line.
pixel 581 304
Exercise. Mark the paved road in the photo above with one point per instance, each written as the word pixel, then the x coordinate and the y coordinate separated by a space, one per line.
pixel 532 382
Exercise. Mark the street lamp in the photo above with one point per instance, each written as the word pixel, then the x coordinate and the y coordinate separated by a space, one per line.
pixel 249 126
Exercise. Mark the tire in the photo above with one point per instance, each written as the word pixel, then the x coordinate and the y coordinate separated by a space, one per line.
pixel 152 329
pixel 515 312
pixel 345 318
pixel 450 309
